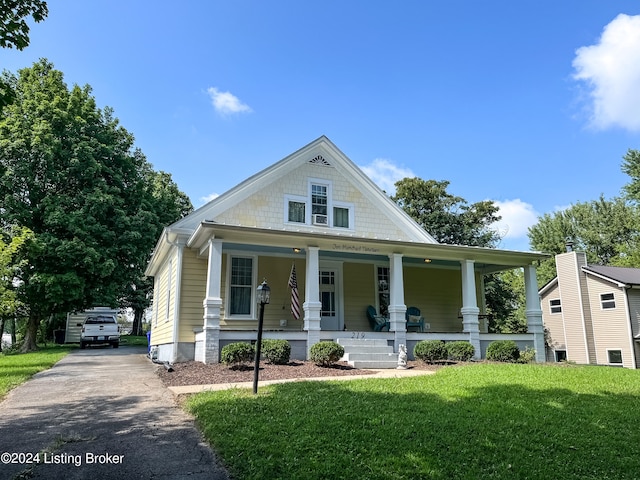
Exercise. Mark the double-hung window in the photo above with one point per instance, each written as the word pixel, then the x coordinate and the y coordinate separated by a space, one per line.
pixel 241 286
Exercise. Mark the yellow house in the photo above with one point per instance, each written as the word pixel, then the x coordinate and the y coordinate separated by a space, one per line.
pixel 351 247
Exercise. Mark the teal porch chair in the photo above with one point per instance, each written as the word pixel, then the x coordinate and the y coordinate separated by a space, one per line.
pixel 378 322
pixel 414 319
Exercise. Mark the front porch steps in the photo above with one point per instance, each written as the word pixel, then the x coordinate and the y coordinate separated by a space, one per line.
pixel 368 353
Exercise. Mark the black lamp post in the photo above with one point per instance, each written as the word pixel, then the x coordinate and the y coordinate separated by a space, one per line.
pixel 263 294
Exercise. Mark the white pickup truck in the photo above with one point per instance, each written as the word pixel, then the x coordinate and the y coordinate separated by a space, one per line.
pixel 100 329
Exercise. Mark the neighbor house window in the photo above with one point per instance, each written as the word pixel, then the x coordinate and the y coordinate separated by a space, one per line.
pixel 555 306
pixel 561 355
pixel 615 357
pixel 241 286
pixel 607 301
pixel 341 217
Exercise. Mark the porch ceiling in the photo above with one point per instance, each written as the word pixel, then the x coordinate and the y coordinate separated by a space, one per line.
pixel 351 247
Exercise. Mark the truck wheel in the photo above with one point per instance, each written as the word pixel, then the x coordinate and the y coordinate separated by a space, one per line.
pixel 82 345
pixel 116 345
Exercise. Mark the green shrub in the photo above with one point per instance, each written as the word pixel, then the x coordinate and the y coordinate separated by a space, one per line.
pixel 276 351
pixel 326 354
pixel 528 355
pixel 503 351
pixel 237 354
pixel 430 351
pixel 460 351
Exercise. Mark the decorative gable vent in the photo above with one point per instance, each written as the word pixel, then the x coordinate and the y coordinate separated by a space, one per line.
pixel 320 219
pixel 319 160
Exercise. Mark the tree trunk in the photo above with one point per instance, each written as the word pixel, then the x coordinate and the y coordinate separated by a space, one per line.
pixel 14 338
pixel 31 335
pixel 3 320
pixel 136 329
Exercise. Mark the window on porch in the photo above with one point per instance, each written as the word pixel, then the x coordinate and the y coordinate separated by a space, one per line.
pixel 241 286
pixel 382 285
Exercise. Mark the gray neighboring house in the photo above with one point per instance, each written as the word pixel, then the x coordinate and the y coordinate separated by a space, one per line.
pixel 591 313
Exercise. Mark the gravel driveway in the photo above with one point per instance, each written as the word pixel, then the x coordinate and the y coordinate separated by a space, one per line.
pixel 100 413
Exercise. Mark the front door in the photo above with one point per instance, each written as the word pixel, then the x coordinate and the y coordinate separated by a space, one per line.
pixel 329 313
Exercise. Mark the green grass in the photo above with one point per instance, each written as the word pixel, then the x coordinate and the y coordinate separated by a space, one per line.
pixel 17 368
pixel 130 340
pixel 481 421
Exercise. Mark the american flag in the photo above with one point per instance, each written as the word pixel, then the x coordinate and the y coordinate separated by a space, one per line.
pixel 295 300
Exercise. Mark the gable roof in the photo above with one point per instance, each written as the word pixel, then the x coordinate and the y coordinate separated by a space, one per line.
pixel 619 275
pixel 317 151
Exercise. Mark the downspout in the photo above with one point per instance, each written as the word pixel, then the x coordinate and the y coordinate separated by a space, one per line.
pixel 626 289
pixel 176 303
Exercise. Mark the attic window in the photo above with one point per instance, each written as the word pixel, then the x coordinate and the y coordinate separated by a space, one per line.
pixel 555 306
pixel 319 160
pixel 607 300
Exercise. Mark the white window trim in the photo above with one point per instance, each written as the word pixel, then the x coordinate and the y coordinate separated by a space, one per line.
pixel 254 278
pixel 298 199
pixel 621 356
pixel 602 302
pixel 351 209
pixel 324 183
pixel 551 307
pixel 169 286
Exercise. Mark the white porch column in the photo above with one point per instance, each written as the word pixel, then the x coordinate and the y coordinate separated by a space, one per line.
pixel 213 303
pixel 312 304
pixel 534 312
pixel 470 310
pixel 397 307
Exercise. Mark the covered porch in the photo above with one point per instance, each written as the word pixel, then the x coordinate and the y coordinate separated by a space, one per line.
pixel 338 278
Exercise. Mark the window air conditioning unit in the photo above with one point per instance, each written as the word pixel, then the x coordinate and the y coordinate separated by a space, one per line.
pixel 320 219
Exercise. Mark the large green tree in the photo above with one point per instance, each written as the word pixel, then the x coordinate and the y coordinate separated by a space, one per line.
pixel 70 173
pixel 448 218
pixel 14 32
pixel 606 230
pixel 451 219
pixel 169 204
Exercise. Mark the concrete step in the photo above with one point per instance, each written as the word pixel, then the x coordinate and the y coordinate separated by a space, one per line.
pixel 351 342
pixel 350 356
pixel 368 349
pixel 377 364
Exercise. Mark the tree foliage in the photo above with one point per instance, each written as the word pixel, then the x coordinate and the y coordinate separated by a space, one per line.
pixel 14 31
pixel 70 173
pixel 603 229
pixel 448 218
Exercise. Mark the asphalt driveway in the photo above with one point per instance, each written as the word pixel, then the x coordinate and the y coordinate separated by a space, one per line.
pixel 100 413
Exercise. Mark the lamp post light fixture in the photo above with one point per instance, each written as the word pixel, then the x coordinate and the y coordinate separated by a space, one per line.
pixel 263 297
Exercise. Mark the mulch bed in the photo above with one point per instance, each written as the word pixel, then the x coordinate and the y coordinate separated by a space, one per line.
pixel 197 373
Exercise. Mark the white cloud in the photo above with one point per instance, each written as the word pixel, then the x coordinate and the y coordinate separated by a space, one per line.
pixel 611 71
pixel 208 198
pixel 226 103
pixel 385 174
pixel 517 217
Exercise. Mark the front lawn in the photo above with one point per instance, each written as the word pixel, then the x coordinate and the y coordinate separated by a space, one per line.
pixel 478 421
pixel 17 368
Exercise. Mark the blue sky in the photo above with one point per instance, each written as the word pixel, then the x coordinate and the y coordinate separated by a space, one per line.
pixel 531 104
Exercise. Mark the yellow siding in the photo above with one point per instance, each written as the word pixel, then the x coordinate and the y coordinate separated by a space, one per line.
pixel 162 326
pixel 438 295
pixel 359 293
pixel 276 271
pixel 610 326
pixel 265 208
pixel 193 292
